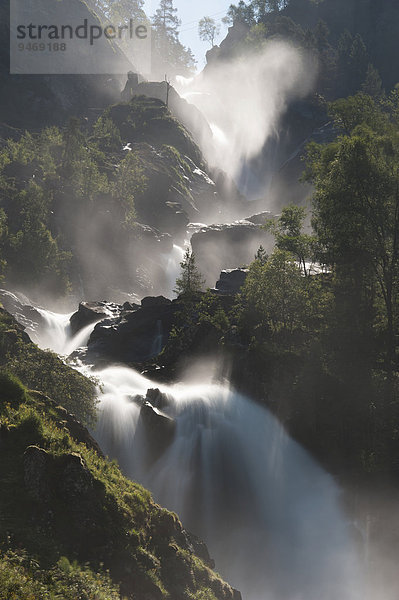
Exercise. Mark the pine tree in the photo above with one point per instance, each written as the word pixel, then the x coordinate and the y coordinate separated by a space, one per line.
pixel 190 281
pixel 166 22
pixel 170 56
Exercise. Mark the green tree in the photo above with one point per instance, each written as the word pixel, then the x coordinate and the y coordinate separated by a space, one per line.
pixel 208 29
pixel 287 230
pixel 276 290
pixel 170 56
pixel 356 218
pixel 130 182
pixel 240 13
pixel 190 281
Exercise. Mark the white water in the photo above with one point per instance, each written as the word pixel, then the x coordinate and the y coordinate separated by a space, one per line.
pixel 172 268
pixel 269 514
pixel 56 333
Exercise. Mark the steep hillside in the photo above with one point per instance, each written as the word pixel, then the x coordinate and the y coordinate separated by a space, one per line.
pixel 102 204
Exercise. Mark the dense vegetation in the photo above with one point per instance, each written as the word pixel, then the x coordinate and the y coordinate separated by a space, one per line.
pixel 64 192
pixel 321 347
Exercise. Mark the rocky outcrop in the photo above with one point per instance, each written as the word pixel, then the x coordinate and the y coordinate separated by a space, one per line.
pixel 90 312
pixel 134 336
pixel 219 247
pixel 148 120
pixel 186 113
pixel 158 431
pixel 27 316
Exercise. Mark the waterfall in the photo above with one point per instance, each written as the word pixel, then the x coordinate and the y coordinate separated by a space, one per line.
pixel 56 335
pixel 172 268
pixel 270 515
pixel 158 340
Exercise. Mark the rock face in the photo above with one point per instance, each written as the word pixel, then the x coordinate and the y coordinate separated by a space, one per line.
pixel 89 312
pixel 229 246
pixel 134 336
pixel 231 281
pixel 28 316
pixel 185 112
pixel 158 431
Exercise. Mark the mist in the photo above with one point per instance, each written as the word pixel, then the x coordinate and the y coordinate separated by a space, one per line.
pixel 243 100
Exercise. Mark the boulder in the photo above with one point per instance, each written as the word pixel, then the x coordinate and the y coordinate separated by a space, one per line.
pixel 159 427
pixel 47 476
pixel 157 399
pixel 90 312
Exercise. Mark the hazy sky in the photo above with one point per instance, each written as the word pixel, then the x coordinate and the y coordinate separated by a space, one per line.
pixel 190 12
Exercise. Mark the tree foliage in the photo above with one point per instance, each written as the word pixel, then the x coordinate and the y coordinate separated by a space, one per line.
pixel 170 57
pixel 190 281
pixel 208 30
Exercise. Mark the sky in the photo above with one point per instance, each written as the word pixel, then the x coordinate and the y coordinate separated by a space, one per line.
pixel 190 12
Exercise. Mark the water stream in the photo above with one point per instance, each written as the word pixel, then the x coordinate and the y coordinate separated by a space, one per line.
pixel 269 514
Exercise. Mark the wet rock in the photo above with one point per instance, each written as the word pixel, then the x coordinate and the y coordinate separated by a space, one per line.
pixel 134 337
pixel 231 281
pixel 90 312
pixel 27 316
pixel 260 218
pixel 130 307
pixel 157 430
pixel 157 399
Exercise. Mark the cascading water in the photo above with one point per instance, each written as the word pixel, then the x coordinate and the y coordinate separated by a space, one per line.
pixel 55 333
pixel 172 267
pixel 269 514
